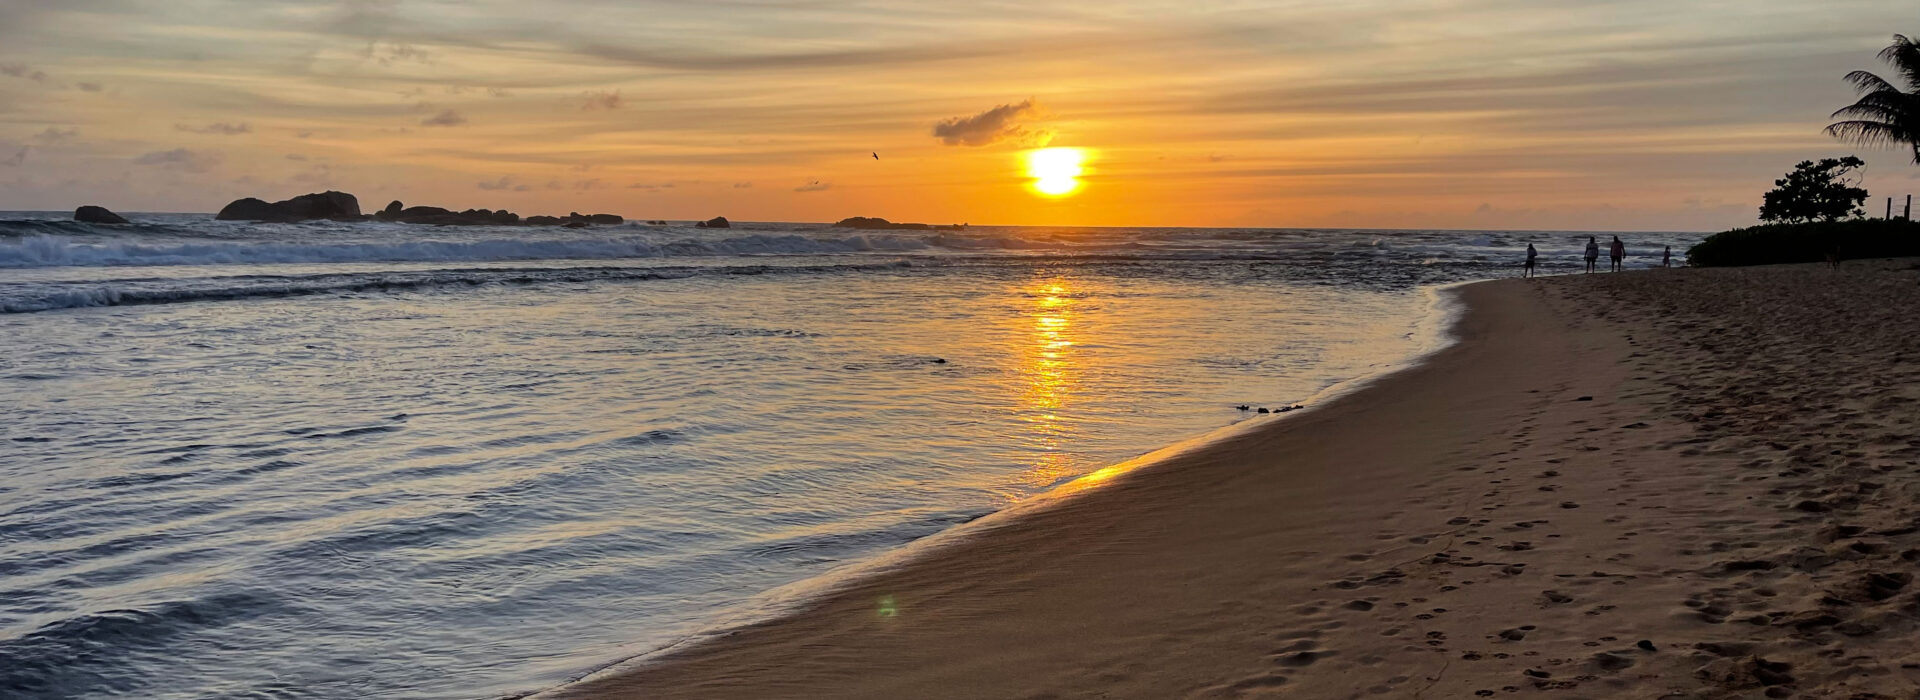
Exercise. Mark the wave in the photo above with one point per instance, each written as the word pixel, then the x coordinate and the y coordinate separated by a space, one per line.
pixel 32 297
pixel 41 250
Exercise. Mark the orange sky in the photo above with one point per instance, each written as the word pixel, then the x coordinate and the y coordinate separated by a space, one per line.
pixel 1567 114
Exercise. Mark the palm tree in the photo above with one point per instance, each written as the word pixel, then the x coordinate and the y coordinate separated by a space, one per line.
pixel 1885 116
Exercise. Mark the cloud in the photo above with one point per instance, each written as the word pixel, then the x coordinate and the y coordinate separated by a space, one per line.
pixel 498 92
pixel 220 128
pixel 743 185
pixel 601 100
pixel 88 87
pixel 396 52
pixel 55 134
pixel 17 159
pixel 181 159
pixel 506 182
pixel 303 135
pixel 992 126
pixel 651 186
pixel 296 156
pixel 21 70
pixel 814 186
pixel 446 117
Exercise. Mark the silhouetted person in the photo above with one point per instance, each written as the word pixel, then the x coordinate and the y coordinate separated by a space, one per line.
pixel 1666 257
pixel 1533 258
pixel 1618 252
pixel 1593 253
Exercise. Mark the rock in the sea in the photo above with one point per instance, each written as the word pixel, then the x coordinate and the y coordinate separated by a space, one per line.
pixel 543 221
pixel 97 215
pixel 393 209
pixel 715 222
pixel 248 209
pixel 322 205
pixel 874 222
pixel 605 219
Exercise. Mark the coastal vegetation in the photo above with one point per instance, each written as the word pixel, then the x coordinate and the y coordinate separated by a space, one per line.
pixel 1773 244
pixel 1814 213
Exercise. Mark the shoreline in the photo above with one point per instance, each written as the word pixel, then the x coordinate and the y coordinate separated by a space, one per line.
pixel 1449 313
pixel 1575 496
pixel 1431 333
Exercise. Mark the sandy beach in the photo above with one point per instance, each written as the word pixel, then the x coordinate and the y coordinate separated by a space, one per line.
pixel 1669 483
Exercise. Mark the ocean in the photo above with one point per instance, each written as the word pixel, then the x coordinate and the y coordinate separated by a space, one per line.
pixel 335 460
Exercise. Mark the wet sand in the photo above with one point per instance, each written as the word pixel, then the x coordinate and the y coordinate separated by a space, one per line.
pixel 1673 483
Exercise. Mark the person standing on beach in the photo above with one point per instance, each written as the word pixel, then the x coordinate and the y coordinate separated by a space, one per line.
pixel 1666 257
pixel 1593 253
pixel 1533 257
pixel 1618 252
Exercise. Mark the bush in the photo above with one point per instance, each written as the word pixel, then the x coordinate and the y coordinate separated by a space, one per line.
pixel 1774 244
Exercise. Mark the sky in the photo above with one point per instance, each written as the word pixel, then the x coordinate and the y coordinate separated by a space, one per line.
pixel 1477 114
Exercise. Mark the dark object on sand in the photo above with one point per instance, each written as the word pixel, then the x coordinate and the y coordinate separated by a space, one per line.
pixel 1645 645
pixel 1776 244
pixel 1263 409
pixel 1584 398
pixel 97 215
pixel 874 222
pixel 323 205
pixel 715 222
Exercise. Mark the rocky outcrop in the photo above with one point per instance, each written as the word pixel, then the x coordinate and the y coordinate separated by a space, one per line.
pixel 322 205
pixel 874 222
pixel 436 216
pixel 341 206
pixel 97 215
pixel 715 222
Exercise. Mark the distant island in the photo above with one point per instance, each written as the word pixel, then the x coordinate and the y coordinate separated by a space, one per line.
pixel 866 222
pixel 340 206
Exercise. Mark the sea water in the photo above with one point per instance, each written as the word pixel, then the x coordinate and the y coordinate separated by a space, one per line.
pixel 338 460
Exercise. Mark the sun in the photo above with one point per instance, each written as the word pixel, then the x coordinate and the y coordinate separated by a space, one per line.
pixel 1056 171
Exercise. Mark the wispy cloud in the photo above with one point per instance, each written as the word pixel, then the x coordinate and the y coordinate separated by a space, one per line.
pixel 21 70
pixel 506 182
pixel 219 128
pixel 446 117
pixel 606 99
pixel 18 158
pixel 814 186
pixel 181 159
pixel 54 134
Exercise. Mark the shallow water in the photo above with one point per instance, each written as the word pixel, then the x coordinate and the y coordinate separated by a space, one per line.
pixel 306 461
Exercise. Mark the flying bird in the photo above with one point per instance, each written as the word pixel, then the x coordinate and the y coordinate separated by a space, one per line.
pixel 876 156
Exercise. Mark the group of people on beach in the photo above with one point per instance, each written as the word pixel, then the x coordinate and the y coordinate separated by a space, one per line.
pixel 1617 251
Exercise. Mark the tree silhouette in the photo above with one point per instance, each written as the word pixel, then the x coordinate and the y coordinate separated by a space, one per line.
pixel 1885 116
pixel 1815 192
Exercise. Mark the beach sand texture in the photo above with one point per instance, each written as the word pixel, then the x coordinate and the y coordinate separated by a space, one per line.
pixel 1718 462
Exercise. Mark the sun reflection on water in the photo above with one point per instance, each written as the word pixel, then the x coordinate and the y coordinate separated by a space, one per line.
pixel 1051 376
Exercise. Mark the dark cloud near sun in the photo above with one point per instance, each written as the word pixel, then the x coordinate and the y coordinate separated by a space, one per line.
pixel 993 126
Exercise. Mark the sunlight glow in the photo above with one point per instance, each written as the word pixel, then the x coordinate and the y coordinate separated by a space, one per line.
pixel 1056 171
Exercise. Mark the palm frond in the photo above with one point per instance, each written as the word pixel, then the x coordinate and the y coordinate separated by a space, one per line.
pixel 1866 82
pixel 1867 132
pixel 1904 55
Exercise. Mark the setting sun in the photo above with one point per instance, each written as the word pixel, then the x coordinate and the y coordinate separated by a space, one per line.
pixel 1056 171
